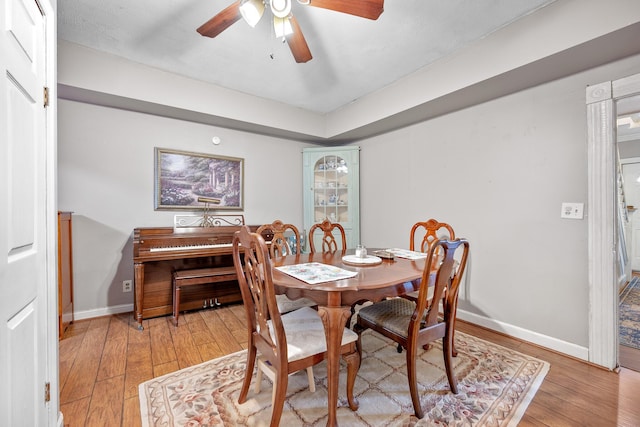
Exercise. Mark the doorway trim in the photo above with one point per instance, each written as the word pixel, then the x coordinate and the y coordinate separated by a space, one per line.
pixel 602 220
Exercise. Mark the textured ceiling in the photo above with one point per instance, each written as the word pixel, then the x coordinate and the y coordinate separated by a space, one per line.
pixel 352 56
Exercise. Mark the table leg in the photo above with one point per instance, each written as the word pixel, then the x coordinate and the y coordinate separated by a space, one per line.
pixel 334 320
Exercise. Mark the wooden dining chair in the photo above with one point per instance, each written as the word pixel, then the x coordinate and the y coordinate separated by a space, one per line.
pixel 281 245
pixel 415 324
pixel 422 235
pixel 426 232
pixel 279 233
pixel 288 342
pixel 329 241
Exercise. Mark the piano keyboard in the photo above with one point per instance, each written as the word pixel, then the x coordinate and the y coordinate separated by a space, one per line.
pixel 190 247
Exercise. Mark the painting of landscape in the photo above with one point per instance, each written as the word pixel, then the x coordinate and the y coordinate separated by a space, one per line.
pixel 182 177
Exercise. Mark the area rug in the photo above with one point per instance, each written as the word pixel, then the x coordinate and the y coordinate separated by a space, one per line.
pixel 629 315
pixel 495 386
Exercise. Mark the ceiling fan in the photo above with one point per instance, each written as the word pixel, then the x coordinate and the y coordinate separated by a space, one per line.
pixel 284 23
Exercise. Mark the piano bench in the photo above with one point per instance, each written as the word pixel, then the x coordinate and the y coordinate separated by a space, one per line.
pixel 198 276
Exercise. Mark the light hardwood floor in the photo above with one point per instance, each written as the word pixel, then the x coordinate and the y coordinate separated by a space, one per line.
pixel 103 360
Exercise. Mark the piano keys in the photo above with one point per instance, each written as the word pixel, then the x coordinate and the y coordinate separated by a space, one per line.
pixel 158 251
pixel 190 247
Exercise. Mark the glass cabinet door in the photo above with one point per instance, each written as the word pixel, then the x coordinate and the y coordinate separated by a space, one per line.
pixel 332 189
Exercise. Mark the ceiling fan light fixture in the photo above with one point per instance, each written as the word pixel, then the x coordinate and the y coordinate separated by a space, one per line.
pixel 281 8
pixel 252 11
pixel 282 26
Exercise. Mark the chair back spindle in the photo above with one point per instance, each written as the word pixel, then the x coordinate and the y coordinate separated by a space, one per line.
pixel 441 259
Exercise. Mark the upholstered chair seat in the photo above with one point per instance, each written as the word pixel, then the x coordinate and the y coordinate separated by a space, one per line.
pixel 393 314
pixel 305 333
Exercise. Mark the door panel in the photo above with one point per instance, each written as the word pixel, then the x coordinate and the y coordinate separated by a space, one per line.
pixel 23 263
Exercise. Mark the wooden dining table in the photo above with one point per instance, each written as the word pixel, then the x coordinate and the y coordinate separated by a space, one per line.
pixel 372 283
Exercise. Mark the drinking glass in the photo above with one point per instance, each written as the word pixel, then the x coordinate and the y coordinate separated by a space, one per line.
pixel 361 251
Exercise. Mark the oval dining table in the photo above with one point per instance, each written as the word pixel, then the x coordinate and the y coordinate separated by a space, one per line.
pixel 335 298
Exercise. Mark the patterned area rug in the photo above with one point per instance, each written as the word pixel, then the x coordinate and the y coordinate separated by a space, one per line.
pixel 629 315
pixel 495 386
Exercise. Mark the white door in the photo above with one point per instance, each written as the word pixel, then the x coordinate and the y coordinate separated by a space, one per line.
pixel 23 222
pixel 631 176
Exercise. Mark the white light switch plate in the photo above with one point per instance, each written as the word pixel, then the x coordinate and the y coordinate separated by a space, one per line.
pixel 572 210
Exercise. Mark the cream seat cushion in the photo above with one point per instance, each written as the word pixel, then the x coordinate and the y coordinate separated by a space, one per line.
pixel 285 304
pixel 305 333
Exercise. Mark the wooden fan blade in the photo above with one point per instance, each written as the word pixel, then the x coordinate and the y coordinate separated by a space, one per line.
pixel 221 21
pixel 297 43
pixel 370 9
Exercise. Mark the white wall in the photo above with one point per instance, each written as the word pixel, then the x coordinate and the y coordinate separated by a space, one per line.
pixel 106 176
pixel 498 173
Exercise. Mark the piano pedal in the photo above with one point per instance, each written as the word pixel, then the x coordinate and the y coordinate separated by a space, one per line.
pixel 204 304
pixel 218 304
pixel 212 304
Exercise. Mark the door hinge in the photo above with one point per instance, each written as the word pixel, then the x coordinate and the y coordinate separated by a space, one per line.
pixel 47 392
pixel 46 96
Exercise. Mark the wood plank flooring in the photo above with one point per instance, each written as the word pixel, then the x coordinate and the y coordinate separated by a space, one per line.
pixel 103 360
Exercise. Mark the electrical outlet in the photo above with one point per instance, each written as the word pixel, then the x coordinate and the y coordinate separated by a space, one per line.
pixel 572 210
pixel 126 286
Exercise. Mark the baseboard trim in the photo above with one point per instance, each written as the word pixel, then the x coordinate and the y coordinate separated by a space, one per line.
pixel 103 311
pixel 551 343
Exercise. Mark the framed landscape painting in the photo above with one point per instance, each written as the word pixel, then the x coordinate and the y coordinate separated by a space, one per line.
pixel 182 177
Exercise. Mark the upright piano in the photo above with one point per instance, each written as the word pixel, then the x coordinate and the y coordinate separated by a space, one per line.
pixel 158 251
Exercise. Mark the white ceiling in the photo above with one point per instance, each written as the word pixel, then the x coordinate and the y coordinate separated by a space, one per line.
pixel 352 56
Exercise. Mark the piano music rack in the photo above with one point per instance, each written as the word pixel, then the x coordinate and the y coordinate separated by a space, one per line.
pixel 207 220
